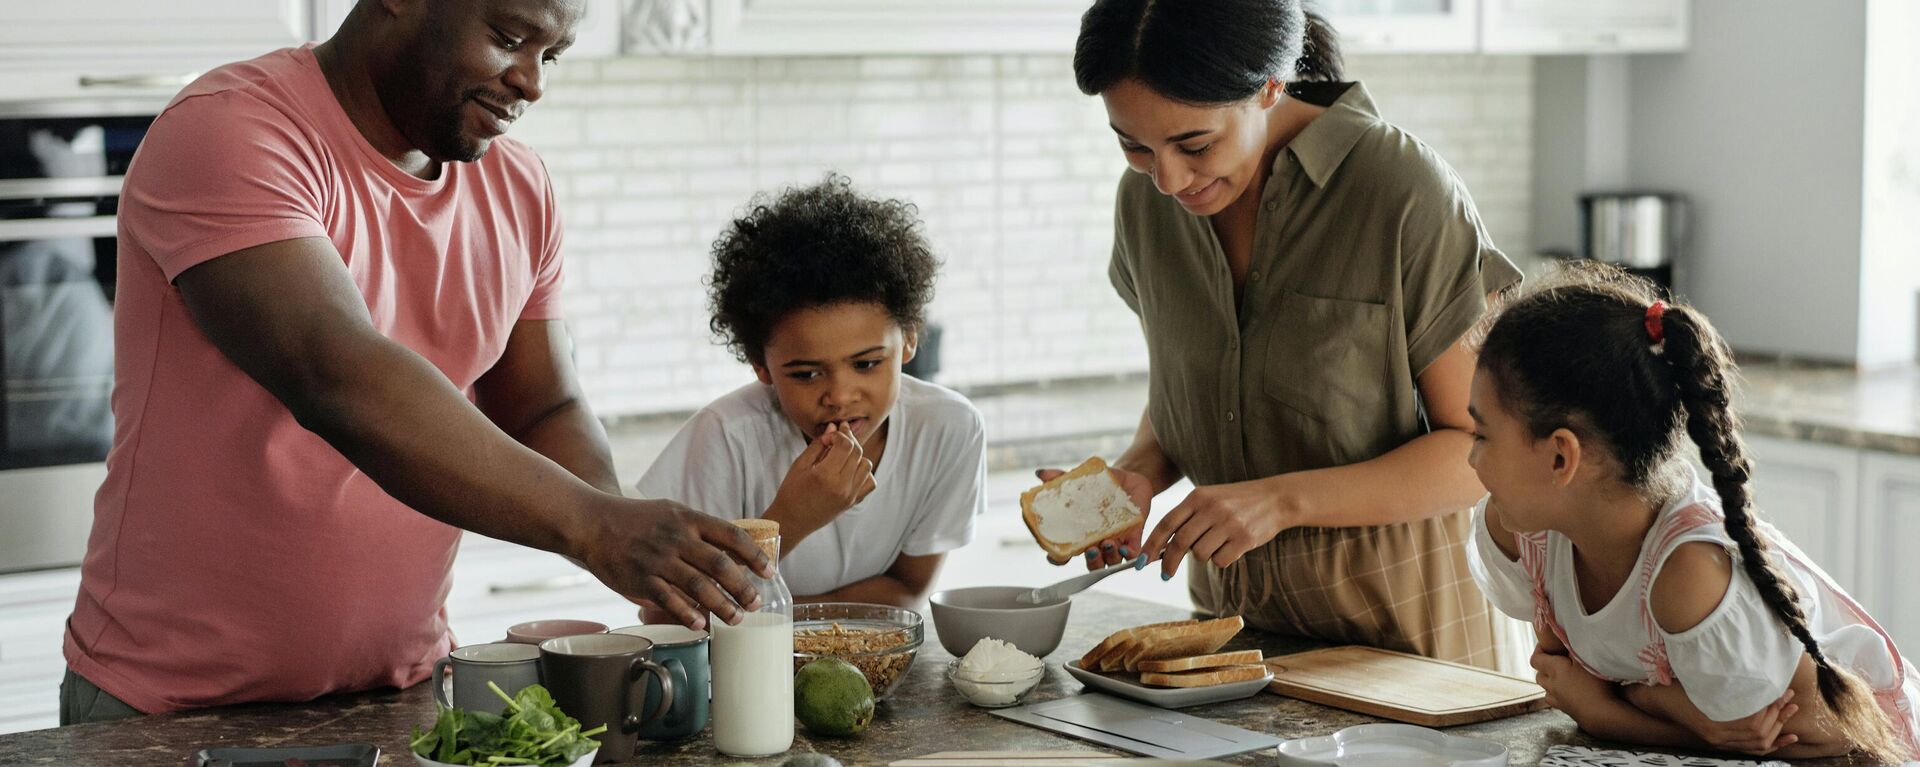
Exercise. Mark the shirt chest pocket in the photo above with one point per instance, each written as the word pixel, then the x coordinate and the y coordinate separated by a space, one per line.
pixel 1327 359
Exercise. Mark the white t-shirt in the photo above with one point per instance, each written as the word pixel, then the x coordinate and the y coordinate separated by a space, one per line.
pixel 730 458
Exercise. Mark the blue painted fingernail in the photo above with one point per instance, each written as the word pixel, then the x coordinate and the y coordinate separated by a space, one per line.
pixel 1166 576
pixel 1125 553
pixel 1108 545
pixel 1091 554
pixel 1141 563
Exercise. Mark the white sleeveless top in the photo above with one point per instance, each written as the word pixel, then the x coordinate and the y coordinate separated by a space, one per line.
pixel 1737 660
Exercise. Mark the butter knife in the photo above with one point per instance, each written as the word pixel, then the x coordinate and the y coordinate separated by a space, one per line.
pixel 1074 585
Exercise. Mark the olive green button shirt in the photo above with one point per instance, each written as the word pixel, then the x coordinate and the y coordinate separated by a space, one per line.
pixel 1369 261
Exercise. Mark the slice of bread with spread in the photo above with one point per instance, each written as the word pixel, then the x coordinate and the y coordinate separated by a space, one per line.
pixel 1077 510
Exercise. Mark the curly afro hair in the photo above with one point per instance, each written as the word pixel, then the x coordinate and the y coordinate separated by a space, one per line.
pixel 815 246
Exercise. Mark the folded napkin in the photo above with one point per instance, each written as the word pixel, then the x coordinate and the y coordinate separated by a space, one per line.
pixel 1581 756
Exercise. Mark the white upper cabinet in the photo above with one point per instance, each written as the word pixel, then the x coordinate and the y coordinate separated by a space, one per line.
pixel 936 27
pixel 853 27
pixel 1584 26
pixel 327 15
pixel 597 36
pixel 1404 26
pixel 135 48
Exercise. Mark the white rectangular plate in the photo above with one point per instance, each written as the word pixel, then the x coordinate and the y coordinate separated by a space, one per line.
pixel 1126 685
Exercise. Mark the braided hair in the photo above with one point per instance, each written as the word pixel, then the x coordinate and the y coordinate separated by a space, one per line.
pixel 1585 353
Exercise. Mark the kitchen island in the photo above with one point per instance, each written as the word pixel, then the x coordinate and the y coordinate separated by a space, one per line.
pixel 925 715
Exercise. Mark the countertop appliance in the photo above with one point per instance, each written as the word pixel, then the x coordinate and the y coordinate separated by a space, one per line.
pixel 1640 231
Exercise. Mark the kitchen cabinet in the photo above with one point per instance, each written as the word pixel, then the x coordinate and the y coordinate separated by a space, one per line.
pixel 1812 494
pixel 932 27
pixel 327 15
pixel 1891 491
pixel 598 35
pixel 1405 26
pixel 1855 512
pixel 863 27
pixel 110 49
pixel 1584 26
pixel 33 616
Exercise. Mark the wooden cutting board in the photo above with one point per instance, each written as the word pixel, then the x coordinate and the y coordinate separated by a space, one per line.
pixel 1402 687
pixel 1015 759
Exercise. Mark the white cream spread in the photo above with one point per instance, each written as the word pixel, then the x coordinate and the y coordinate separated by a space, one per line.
pixel 1082 506
pixel 992 660
pixel 995 673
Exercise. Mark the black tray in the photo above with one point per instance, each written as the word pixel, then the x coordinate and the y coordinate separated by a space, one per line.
pixel 336 755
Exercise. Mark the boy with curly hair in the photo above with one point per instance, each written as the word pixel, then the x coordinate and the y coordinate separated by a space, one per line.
pixel 873 475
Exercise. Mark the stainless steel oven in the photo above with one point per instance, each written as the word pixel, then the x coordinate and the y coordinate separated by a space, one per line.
pixel 61 166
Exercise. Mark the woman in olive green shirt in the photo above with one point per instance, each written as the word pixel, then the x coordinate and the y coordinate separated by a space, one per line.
pixel 1305 273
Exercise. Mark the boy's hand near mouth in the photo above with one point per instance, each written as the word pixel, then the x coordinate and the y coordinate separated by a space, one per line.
pixel 828 478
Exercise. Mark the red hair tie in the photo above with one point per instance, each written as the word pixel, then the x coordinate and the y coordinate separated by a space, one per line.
pixel 1656 329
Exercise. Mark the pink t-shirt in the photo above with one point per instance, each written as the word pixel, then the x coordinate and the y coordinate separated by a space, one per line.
pixel 235 556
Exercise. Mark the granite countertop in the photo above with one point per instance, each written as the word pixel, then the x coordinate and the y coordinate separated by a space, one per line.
pixel 924 716
pixel 1872 410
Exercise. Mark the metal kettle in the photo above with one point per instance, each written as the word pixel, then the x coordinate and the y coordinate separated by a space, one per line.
pixel 1637 230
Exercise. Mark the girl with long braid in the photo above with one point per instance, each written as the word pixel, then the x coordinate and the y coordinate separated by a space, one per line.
pixel 1668 613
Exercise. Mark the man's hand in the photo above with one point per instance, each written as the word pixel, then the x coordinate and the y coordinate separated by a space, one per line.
pixel 664 555
pixel 828 478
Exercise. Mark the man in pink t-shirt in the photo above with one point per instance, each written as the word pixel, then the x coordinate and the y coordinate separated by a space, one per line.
pixel 337 343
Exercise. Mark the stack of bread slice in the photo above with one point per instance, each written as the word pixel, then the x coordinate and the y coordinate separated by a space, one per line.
pixel 1177 654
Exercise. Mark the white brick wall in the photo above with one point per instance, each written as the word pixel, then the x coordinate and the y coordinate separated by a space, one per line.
pixel 1013 170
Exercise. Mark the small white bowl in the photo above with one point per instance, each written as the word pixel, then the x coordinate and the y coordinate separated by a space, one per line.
pixel 997 691
pixel 584 761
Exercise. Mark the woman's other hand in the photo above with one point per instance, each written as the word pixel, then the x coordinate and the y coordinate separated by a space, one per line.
pixel 1219 523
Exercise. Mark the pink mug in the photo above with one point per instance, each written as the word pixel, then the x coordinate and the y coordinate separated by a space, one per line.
pixel 535 632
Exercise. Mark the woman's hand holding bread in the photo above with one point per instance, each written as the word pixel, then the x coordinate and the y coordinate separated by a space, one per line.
pixel 1105 527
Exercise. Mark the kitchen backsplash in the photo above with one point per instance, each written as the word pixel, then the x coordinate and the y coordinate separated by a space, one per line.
pixel 1012 168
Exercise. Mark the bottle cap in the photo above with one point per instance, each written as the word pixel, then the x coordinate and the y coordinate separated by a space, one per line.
pixel 765 532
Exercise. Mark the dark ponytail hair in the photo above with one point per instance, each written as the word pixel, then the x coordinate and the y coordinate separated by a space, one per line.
pixel 1203 52
pixel 1577 354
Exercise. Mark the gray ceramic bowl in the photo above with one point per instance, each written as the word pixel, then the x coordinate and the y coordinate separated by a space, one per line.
pixel 963 616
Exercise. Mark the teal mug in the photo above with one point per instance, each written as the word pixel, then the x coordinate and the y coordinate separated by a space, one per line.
pixel 683 651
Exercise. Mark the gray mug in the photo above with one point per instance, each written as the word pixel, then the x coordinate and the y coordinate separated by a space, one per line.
pixel 683 651
pixel 601 679
pixel 511 666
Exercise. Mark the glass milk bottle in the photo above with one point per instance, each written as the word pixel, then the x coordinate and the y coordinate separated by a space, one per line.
pixel 753 663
